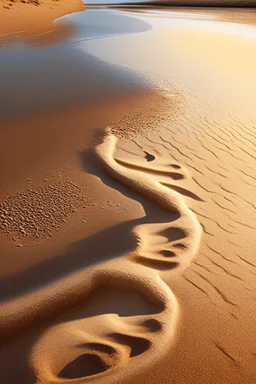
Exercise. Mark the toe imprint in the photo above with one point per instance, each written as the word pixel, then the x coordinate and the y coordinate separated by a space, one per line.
pixel 167 253
pixel 138 345
pixel 83 366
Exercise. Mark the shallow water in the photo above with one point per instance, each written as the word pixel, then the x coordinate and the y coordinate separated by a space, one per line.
pixel 42 72
pixel 56 69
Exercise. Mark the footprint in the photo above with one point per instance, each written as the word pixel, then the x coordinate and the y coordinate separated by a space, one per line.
pixel 83 366
pixel 113 336
pixel 157 242
pixel 172 233
pixel 167 253
pixel 102 347
pixel 159 168
pixel 137 345
pixel 152 324
pixel 175 166
pixel 176 176
pixel 180 245
pixel 166 245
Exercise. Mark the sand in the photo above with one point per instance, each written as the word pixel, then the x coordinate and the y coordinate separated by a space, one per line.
pixel 19 16
pixel 127 243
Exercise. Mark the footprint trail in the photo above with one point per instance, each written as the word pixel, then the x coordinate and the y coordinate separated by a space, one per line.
pixel 108 347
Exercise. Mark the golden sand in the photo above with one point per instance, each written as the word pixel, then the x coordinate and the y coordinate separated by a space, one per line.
pixel 33 16
pixel 154 280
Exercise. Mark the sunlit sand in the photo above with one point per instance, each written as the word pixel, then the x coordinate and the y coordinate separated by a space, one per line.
pixel 127 212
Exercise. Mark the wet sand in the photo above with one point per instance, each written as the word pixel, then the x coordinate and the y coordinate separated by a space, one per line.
pixel 128 225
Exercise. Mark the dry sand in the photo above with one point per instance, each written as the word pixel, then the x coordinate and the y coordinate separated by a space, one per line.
pixel 128 250
pixel 34 16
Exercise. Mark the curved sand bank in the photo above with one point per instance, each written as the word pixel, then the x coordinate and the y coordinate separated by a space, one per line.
pixel 34 16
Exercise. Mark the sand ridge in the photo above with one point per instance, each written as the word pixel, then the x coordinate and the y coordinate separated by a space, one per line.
pixel 111 341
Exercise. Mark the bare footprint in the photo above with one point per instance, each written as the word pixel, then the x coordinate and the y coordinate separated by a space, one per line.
pixel 105 347
pixel 85 365
pixel 158 241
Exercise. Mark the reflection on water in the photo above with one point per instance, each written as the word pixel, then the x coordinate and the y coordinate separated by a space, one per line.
pixel 207 57
pixel 60 68
pixel 93 24
pixel 239 23
pixel 39 74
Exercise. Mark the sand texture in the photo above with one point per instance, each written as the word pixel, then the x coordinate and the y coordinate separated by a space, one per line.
pixel 120 316
pixel 34 16
pixel 109 341
pixel 127 227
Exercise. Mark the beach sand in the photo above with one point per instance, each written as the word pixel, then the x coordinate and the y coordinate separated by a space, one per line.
pixel 128 241
pixel 34 16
